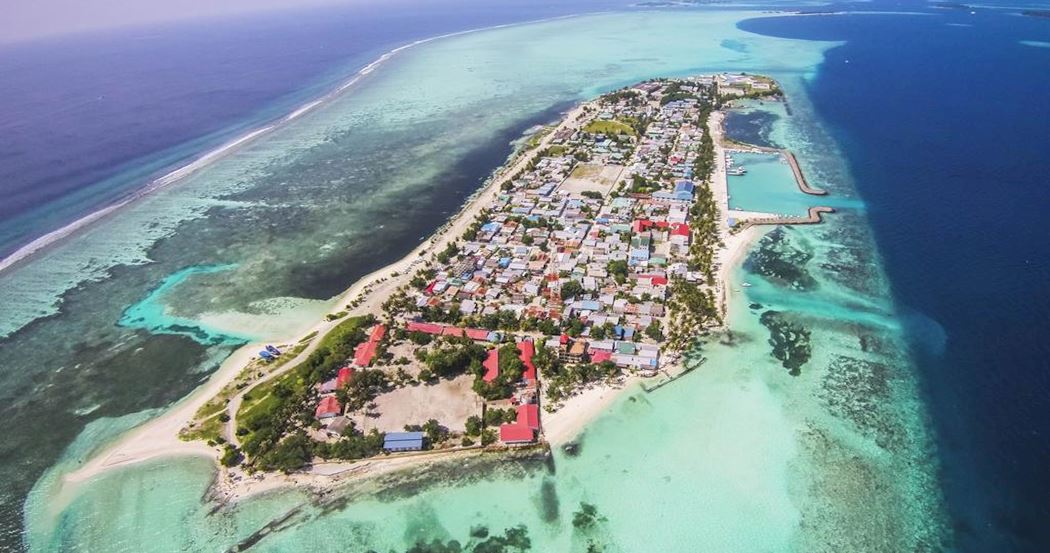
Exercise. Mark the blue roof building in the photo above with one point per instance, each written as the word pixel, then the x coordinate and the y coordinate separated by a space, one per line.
pixel 403 441
pixel 683 190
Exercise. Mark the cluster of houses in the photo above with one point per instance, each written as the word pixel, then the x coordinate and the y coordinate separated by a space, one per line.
pixel 329 411
pixel 596 258
pixel 603 255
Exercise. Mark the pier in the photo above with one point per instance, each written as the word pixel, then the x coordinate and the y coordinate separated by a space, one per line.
pixel 815 216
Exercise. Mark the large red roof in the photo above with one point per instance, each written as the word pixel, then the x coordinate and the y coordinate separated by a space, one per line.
pixel 599 356
pixel 329 407
pixel 344 376
pixel 680 229
pixel 426 328
pixel 515 433
pixel 364 353
pixel 529 416
pixel 491 365
pixel 479 334
pixel 527 350
pixel 377 333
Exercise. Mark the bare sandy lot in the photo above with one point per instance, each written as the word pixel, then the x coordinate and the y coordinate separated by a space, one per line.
pixel 592 176
pixel 450 402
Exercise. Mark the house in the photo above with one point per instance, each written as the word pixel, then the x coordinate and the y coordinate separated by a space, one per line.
pixel 516 434
pixel 529 416
pixel 680 234
pixel 403 441
pixel 523 430
pixel 343 378
pixel 527 350
pixel 338 425
pixel 684 190
pixel 364 353
pixel 491 365
pixel 328 407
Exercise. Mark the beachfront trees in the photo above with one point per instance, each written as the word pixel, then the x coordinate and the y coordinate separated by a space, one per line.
pixel 290 454
pixel 450 251
pixel 231 456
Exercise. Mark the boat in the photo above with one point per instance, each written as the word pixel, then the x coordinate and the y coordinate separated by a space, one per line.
pixel 746 285
pixel 737 171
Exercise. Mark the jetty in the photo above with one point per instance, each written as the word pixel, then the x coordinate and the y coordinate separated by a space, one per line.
pixel 814 217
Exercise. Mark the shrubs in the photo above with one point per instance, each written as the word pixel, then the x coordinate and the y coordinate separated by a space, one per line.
pixel 231 456
pixel 455 358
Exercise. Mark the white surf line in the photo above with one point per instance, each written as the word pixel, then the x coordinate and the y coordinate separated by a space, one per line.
pixel 56 236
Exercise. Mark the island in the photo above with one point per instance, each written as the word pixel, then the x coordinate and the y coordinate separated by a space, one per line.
pixel 593 258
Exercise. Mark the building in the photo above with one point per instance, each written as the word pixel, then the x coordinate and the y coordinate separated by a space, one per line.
pixel 328 407
pixel 516 434
pixel 527 350
pixel 337 425
pixel 343 378
pixel 491 365
pixel 403 441
pixel 523 430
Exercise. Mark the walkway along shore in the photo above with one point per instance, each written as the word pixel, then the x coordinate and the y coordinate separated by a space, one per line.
pixel 814 217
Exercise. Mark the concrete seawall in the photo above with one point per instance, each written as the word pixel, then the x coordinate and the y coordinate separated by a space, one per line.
pixel 815 216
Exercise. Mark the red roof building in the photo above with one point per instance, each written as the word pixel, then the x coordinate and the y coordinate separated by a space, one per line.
pixel 529 416
pixel 344 377
pixel 328 408
pixel 680 229
pixel 377 333
pixel 426 328
pixel 478 334
pixel 491 365
pixel 364 353
pixel 452 331
pixel 515 434
pixel 527 350
pixel 599 356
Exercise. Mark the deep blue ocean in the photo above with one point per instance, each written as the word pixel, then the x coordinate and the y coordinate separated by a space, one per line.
pixel 945 122
pixel 87 119
pixel 947 132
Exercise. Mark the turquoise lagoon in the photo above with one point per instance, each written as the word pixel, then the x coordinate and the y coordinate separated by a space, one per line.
pixel 768 186
pixel 737 456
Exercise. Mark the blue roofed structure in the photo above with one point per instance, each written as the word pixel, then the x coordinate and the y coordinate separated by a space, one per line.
pixel 403 441
pixel 683 190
